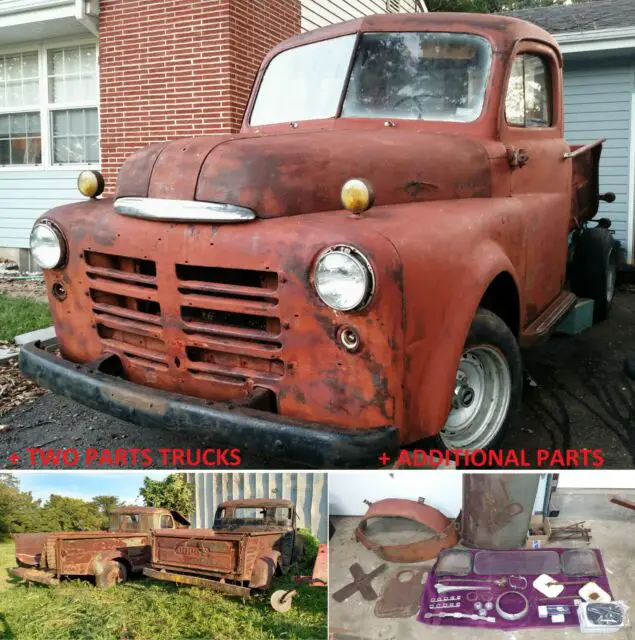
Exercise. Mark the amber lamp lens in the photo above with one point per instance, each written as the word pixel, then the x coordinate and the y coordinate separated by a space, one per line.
pixel 90 183
pixel 357 195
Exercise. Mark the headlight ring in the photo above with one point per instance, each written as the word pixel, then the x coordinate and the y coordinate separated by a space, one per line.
pixel 343 278
pixel 48 245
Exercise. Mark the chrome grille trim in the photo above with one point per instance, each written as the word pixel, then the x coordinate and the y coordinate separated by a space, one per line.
pixel 182 210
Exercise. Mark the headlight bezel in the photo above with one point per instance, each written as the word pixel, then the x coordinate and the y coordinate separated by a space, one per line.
pixel 362 260
pixel 61 239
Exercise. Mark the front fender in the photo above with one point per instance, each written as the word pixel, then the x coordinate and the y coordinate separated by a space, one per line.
pixel 432 361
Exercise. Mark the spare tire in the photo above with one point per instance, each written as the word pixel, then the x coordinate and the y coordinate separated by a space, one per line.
pixel 594 270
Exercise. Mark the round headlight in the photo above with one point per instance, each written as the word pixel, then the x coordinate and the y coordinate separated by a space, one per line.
pixel 357 195
pixel 344 278
pixel 47 246
pixel 90 183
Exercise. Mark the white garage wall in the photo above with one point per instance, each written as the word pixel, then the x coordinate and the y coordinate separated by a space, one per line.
pixel 597 480
pixel 347 491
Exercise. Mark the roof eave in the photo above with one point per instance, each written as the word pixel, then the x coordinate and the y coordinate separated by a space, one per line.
pixel 596 40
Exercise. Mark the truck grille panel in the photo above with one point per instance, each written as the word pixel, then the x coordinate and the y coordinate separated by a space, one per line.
pixel 229 330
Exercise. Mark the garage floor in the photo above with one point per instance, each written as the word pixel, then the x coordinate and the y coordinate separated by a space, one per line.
pixel 354 619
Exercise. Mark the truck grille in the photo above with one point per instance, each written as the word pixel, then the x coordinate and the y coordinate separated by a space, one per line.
pixel 227 318
pixel 229 321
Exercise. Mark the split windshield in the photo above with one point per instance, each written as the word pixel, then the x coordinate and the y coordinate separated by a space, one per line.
pixel 414 76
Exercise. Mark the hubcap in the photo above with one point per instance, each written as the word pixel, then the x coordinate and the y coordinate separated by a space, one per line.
pixel 481 399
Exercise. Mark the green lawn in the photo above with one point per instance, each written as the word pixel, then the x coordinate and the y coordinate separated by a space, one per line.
pixel 19 315
pixel 143 609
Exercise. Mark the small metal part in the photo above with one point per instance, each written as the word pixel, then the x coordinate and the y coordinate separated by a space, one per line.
pixel 472 596
pixel 482 612
pixel 458 615
pixel 506 615
pixel 444 588
pixel 489 606
pixel 517 582
pixel 361 582
pixel 478 605
pixel 281 600
pixel 349 338
pixel 500 582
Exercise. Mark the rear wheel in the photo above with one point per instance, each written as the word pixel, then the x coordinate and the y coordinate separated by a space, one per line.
pixel 594 270
pixel 112 573
pixel 488 388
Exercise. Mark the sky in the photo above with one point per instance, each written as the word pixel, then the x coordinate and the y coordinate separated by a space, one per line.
pixel 87 484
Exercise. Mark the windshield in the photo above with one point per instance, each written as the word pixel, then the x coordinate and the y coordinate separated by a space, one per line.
pixel 417 76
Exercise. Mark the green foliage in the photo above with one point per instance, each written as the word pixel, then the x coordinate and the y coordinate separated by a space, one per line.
pixel 20 315
pixel 175 492
pixel 147 609
pixel 490 6
pixel 20 513
pixel 309 552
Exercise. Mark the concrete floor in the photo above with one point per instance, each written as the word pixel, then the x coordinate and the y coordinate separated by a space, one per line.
pixel 354 619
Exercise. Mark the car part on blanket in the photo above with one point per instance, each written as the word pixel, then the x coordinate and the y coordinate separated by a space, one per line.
pixel 445 599
pixel 501 582
pixel 443 605
pixel 571 532
pixel 445 531
pixel 401 593
pixel 580 562
pixel 518 562
pixel 506 614
pixel 454 562
pixel 602 617
pixel 486 597
pixel 497 510
pixel 445 588
pixel 361 582
pixel 458 615
pixel 576 599
pixel 592 592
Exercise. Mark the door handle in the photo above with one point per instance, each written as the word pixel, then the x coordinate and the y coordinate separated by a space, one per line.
pixel 517 158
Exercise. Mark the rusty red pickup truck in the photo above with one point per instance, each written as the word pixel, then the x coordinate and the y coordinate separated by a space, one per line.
pixel 252 540
pixel 110 557
pixel 357 269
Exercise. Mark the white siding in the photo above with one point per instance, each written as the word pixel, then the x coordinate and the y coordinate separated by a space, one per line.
pixel 309 491
pixel 597 104
pixel 27 194
pixel 321 13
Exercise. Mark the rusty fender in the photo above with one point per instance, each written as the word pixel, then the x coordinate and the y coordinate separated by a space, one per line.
pixel 34 575
pixel 264 570
pixel 446 534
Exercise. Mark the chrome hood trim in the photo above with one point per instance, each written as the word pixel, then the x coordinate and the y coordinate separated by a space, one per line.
pixel 182 210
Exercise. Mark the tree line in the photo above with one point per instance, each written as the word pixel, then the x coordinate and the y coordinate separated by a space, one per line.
pixel 20 512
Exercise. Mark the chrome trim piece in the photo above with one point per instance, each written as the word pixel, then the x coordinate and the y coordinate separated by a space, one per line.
pixel 182 210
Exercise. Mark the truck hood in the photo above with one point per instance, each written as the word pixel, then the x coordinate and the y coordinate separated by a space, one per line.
pixel 294 173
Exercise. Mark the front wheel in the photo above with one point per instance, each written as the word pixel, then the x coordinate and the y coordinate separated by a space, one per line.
pixel 488 388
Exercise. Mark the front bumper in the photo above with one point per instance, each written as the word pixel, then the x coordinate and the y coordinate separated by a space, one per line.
pixel 258 433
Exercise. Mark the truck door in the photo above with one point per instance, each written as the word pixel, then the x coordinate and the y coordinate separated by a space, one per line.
pixel 532 131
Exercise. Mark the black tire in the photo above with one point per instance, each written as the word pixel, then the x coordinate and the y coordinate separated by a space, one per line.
pixel 490 331
pixel 594 263
pixel 111 574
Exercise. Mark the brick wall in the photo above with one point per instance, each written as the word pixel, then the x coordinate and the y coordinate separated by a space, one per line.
pixel 175 68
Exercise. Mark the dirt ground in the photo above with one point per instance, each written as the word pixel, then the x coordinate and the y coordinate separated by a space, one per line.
pixel 582 400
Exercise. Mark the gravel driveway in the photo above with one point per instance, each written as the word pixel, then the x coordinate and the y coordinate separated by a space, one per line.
pixel 581 400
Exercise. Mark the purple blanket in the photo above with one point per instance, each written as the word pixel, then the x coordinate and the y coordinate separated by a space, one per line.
pixel 531 620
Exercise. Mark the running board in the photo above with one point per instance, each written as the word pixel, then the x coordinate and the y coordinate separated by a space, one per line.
pixel 195 581
pixel 540 329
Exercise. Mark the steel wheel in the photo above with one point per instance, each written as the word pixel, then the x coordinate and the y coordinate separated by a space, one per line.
pixel 481 399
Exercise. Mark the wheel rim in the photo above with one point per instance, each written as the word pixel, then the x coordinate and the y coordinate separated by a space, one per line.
pixel 611 277
pixel 481 399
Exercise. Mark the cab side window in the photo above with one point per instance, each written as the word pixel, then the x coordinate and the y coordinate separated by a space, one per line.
pixel 166 522
pixel 528 100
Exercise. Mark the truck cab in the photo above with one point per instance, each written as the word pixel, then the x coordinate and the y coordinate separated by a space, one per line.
pixel 357 269
pixel 110 557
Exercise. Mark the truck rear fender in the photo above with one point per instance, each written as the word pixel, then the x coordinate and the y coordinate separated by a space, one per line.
pixel 264 570
pixel 100 559
pixel 432 359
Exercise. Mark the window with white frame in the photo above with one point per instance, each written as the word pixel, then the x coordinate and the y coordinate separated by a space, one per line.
pixel 48 107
